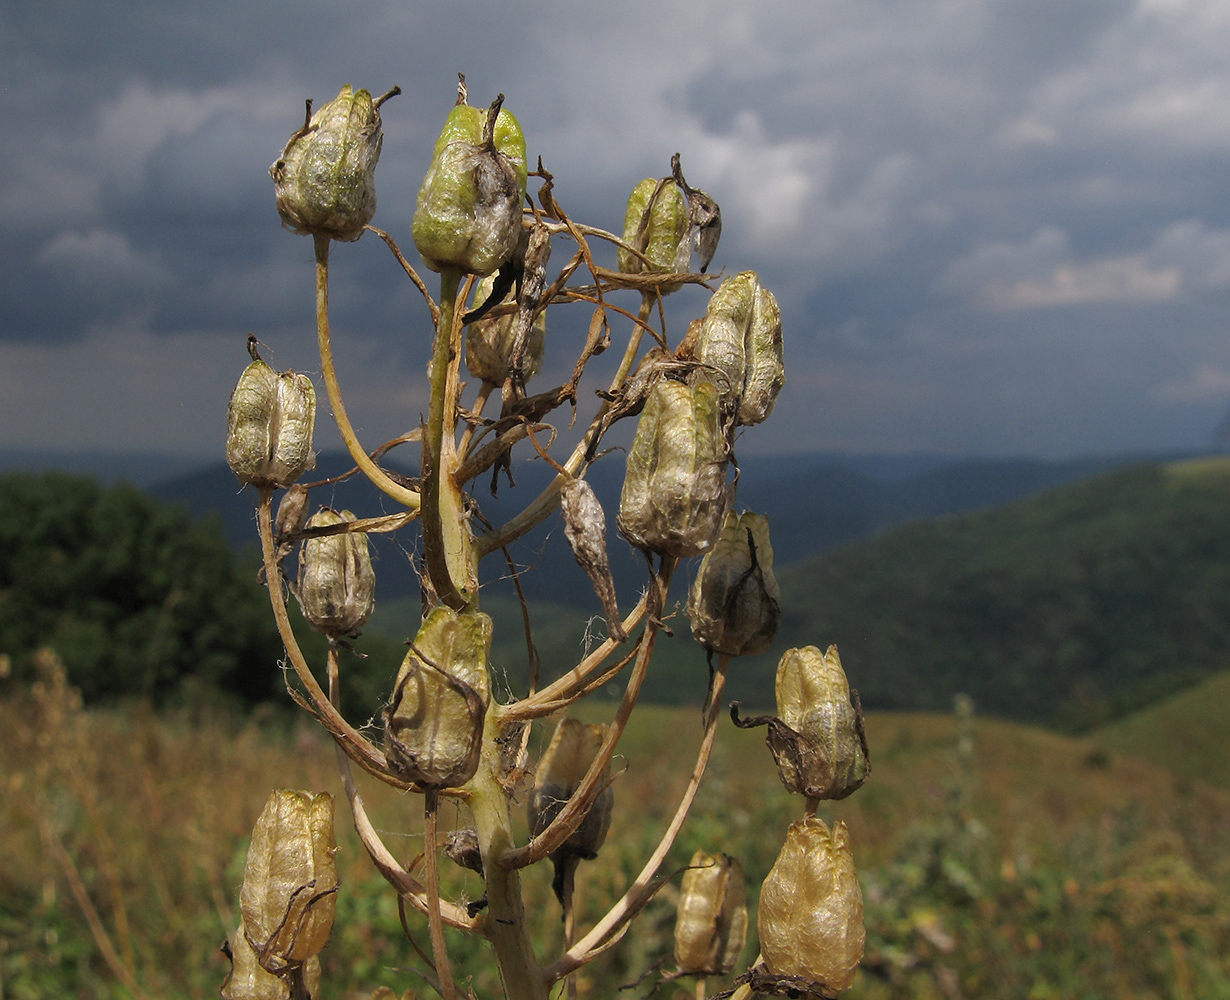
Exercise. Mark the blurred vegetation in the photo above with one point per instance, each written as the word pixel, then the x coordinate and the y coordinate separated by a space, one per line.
pixel 996 860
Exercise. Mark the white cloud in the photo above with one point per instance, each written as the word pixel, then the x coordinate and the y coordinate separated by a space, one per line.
pixel 102 258
pixel 1117 279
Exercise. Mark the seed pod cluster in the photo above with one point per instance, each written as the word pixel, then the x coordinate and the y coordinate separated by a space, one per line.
pixel 490 341
pixel 336 581
pixel 325 179
pixel 468 213
pixel 269 425
pixel 674 491
pixel 734 602
pixel 810 918
pixel 711 923
pixel 433 724
pixel 740 347
pixel 289 880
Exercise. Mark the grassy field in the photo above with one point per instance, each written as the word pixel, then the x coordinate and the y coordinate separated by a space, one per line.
pixel 1017 864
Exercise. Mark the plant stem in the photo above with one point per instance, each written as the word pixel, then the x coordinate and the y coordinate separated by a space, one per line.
pixel 370 469
pixel 444 972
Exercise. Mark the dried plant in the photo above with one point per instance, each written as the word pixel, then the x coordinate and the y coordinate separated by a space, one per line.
pixel 445 734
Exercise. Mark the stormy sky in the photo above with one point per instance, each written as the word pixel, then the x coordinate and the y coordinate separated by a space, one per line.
pixel 995 227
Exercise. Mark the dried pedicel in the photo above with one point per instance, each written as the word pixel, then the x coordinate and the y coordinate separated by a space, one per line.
pixel 585 530
pixel 468 213
pixel 734 602
pixel 325 179
pixel 810 918
pixel 674 492
pixel 336 581
pixel 289 880
pixel 433 724
pixel 269 425
pixel 711 923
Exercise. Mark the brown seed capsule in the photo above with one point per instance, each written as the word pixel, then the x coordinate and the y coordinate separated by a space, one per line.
pixel 711 925
pixel 336 581
pixel 325 178
pixel 433 724
pixel 820 746
pixel 810 919
pixel 585 530
pixel 734 602
pixel 248 981
pixel 269 426
pixel 572 749
pixel 289 879
pixel 674 492
pixel 656 223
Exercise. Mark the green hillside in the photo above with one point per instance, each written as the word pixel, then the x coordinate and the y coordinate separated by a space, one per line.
pixel 1070 608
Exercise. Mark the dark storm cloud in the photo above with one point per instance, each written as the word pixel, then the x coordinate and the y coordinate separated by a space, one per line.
pixel 993 225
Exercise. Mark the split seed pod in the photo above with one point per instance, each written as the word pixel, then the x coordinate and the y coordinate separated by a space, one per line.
pixel 325 179
pixel 585 530
pixel 741 339
pixel 656 222
pixel 433 724
pixel 490 341
pixel 248 981
pixel 468 213
pixel 336 581
pixel 269 426
pixel 711 925
pixel 734 602
pixel 810 919
pixel 674 492
pixel 289 879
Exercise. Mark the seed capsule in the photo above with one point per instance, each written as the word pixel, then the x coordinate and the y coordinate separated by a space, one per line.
pixel 734 602
pixel 820 746
pixel 656 222
pixel 711 925
pixel 585 530
pixel 810 918
pixel 325 179
pixel 336 581
pixel 289 879
pixel 674 491
pixel 468 213
pixel 433 724
pixel 269 426
pixel 490 342
pixel 571 751
pixel 248 981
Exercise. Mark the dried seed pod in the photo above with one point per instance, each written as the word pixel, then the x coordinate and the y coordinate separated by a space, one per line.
pixel 810 919
pixel 468 213
pixel 674 492
pixel 734 602
pixel 585 529
pixel 656 223
pixel 490 341
pixel 569 755
pixel 711 925
pixel 433 724
pixel 269 426
pixel 704 216
pixel 289 879
pixel 248 981
pixel 336 581
pixel 325 179
pixel 765 374
pixel 819 744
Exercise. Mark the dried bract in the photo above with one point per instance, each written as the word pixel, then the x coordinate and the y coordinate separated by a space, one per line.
pixel 810 918
pixel 289 880
pixel 269 426
pixel 336 581
pixel 734 602
pixel 585 530
pixel 711 925
pixel 325 178
pixel 433 724
pixel 468 213
pixel 674 492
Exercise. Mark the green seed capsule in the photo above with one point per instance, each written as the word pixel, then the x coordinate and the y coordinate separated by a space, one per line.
pixel 325 179
pixel 674 491
pixel 289 879
pixel 656 223
pixel 468 214
pixel 734 602
pixel 810 919
pixel 433 725
pixel 711 925
pixel 336 581
pixel 269 426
